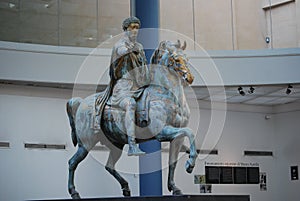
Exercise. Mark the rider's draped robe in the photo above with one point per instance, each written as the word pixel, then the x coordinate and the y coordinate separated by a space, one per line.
pixel 128 74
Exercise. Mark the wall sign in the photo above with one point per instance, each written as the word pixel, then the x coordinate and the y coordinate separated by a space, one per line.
pixel 263 181
pixel 232 164
pixel 231 173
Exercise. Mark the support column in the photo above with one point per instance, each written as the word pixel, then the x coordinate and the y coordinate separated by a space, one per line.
pixel 150 164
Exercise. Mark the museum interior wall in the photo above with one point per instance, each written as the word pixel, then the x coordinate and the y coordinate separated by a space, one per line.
pixel 48 54
pixel 62 22
pixel 37 82
pixel 251 131
pixel 37 115
pixel 212 25
pixel 233 24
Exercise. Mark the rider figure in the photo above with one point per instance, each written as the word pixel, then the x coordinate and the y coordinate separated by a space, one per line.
pixel 129 74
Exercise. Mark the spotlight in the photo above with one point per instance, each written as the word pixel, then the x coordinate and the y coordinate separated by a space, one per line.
pixel 241 92
pixel 251 90
pixel 288 90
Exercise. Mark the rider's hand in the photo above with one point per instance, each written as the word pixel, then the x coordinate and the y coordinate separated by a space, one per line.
pixel 132 47
pixel 135 48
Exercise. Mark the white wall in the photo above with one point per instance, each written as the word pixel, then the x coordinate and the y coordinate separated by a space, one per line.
pixel 249 130
pixel 242 131
pixel 37 115
pixel 287 137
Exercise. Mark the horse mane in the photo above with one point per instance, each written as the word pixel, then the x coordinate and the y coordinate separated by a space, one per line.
pixel 155 57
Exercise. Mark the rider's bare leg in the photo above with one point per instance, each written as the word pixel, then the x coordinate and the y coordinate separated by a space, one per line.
pixel 130 105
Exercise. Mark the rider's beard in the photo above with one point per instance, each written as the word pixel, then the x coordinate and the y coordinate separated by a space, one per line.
pixel 132 36
pixel 132 39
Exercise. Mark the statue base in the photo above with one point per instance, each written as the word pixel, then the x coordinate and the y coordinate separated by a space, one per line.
pixel 173 198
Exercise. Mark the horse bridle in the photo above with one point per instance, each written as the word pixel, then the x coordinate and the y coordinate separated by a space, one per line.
pixel 176 65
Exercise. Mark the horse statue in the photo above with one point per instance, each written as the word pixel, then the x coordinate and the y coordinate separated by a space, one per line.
pixel 168 118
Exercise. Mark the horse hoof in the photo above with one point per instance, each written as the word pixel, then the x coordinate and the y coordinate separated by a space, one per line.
pixel 189 167
pixel 177 192
pixel 75 196
pixel 126 193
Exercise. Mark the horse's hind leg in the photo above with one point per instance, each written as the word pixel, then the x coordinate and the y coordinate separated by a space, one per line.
pixel 114 155
pixel 175 147
pixel 73 163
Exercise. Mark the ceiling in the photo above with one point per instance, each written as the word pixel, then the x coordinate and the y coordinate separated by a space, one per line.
pixel 266 95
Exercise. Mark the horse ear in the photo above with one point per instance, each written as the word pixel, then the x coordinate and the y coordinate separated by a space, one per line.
pixel 178 44
pixel 184 45
pixel 163 45
pixel 154 57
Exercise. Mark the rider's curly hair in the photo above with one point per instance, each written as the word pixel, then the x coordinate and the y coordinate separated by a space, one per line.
pixel 130 20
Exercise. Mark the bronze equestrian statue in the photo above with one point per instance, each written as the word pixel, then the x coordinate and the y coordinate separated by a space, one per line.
pixel 155 106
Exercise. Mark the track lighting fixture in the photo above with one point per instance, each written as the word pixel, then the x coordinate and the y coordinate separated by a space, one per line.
pixel 241 92
pixel 289 89
pixel 251 90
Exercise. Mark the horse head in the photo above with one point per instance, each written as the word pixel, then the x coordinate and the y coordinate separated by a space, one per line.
pixel 171 55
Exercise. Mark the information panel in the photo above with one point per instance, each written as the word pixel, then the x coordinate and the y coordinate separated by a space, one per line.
pixel 212 175
pixel 240 175
pixel 231 175
pixel 252 175
pixel 226 175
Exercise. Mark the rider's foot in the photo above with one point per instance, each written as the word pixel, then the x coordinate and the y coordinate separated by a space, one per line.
pixel 134 150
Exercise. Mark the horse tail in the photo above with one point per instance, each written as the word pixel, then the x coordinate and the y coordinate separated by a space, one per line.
pixel 72 106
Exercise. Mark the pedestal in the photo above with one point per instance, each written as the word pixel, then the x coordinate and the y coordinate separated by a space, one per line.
pixel 174 198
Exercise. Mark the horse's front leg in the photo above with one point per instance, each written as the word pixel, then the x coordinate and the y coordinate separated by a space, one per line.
pixel 190 164
pixel 73 163
pixel 175 147
pixel 174 132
